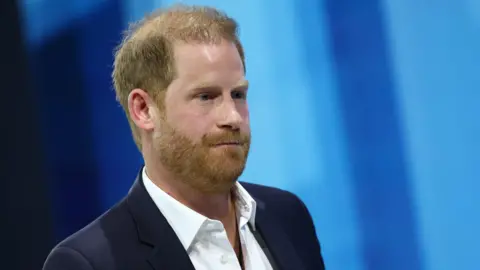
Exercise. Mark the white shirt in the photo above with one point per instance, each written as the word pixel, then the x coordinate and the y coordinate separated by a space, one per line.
pixel 204 239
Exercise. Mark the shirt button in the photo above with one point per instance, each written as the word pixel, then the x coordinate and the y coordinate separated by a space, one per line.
pixel 224 259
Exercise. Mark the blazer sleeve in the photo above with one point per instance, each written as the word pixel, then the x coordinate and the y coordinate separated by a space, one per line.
pixel 65 258
pixel 310 235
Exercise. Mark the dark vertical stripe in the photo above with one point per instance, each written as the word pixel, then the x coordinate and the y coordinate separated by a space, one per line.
pixel 67 134
pixel 375 145
pixel 25 223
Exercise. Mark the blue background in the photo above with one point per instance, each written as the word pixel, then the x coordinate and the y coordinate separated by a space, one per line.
pixel 368 110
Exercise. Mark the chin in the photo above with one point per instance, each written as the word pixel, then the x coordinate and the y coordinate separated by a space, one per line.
pixel 223 178
pixel 221 188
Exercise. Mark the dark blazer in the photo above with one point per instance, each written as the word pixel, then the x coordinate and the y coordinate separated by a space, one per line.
pixel 134 235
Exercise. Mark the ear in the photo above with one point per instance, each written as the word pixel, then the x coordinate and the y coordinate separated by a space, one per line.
pixel 141 110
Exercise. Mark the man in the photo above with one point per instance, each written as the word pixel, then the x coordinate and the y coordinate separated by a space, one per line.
pixel 180 76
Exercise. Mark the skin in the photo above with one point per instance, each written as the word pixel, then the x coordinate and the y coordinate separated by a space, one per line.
pixel 196 143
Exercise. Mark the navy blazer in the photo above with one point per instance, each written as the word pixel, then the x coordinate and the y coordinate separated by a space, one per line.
pixel 134 235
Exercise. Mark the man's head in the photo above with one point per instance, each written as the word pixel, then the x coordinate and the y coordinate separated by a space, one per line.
pixel 180 76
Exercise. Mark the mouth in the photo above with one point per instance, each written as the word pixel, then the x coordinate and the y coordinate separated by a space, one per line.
pixel 233 143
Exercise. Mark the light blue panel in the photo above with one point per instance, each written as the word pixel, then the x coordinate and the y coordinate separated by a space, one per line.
pixel 437 61
pixel 328 191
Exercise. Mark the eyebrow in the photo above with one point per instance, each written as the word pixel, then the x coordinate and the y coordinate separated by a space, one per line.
pixel 242 84
pixel 207 86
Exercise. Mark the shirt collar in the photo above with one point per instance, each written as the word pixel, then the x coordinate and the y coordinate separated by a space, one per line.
pixel 186 222
pixel 246 206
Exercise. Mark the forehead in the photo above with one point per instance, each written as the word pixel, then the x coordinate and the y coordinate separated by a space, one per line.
pixel 195 61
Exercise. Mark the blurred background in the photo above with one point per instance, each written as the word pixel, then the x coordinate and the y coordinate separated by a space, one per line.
pixel 366 109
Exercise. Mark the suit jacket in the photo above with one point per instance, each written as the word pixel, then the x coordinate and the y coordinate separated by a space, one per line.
pixel 134 235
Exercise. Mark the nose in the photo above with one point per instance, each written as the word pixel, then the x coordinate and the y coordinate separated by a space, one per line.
pixel 229 117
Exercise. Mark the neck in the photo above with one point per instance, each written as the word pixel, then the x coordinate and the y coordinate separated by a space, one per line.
pixel 218 206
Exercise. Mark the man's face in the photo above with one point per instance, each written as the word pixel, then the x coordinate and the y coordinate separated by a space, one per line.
pixel 203 136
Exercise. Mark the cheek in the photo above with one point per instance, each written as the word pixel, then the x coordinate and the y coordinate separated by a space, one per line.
pixel 194 128
pixel 244 113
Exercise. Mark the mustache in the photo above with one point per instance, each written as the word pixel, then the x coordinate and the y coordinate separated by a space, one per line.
pixel 226 137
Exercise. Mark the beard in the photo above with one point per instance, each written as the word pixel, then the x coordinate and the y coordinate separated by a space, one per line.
pixel 202 166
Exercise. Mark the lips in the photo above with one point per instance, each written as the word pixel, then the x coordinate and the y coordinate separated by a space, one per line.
pixel 227 143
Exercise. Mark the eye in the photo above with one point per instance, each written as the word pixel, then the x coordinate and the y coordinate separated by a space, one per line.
pixel 239 95
pixel 205 96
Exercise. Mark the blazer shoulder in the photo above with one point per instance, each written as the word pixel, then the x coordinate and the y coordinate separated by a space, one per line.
pixel 94 242
pixel 66 258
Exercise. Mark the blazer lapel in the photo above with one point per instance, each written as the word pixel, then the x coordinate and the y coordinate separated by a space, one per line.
pixel 166 257
pixel 166 250
pixel 277 240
